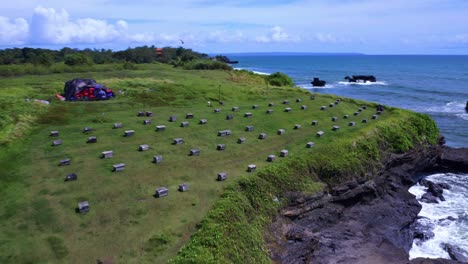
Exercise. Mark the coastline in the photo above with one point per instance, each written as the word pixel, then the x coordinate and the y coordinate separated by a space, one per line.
pixel 361 221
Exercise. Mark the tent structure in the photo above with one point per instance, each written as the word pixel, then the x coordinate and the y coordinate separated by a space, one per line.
pixel 86 89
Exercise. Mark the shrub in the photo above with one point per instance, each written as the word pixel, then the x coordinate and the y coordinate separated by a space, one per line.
pixel 77 59
pixel 279 79
pixel 129 66
pixel 205 64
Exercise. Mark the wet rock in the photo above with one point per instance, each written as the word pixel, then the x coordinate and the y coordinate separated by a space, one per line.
pixel 454 159
pixel 455 253
pixel 424 182
pixel 429 198
pixel 445 186
pixel 434 191
pixel 432 261
pixel 422 232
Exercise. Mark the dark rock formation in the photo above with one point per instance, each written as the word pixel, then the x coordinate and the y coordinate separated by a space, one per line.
pixel 454 159
pixel 362 221
pixel 432 261
pixel 434 191
pixel 422 232
pixel 455 252
pixel 361 78
pixel 429 198
pixel 225 59
pixel 318 83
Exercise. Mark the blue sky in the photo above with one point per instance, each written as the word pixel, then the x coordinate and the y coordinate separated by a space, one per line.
pixel 211 26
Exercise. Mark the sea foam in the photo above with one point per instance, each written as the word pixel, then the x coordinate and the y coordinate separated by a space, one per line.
pixel 257 72
pixel 363 83
pixel 456 107
pixel 434 217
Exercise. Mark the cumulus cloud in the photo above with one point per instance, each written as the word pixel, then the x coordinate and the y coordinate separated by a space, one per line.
pixel 460 39
pixel 276 34
pixel 330 38
pixel 51 26
pixel 326 38
pixel 226 36
pixel 13 32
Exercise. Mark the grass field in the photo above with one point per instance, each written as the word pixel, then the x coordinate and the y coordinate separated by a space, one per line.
pixel 126 224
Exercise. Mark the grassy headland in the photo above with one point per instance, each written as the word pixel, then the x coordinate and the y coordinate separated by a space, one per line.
pixel 220 222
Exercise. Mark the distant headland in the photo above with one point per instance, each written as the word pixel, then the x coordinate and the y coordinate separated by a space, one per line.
pixel 295 54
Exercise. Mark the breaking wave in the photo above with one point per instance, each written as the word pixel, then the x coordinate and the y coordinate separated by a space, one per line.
pixel 256 72
pixel 363 83
pixel 309 86
pixel 463 116
pixel 455 107
pixel 434 217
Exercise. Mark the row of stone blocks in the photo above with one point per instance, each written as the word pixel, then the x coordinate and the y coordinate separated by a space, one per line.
pixel 129 133
pixel 83 206
pixel 190 115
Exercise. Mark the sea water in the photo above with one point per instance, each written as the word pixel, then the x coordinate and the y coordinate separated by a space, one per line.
pixel 435 85
pixel 434 217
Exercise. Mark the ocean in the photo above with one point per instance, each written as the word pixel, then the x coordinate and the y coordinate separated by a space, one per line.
pixel 435 85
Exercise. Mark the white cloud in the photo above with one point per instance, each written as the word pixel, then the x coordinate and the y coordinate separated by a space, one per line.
pixel 49 26
pixel 276 34
pixel 460 39
pixel 226 36
pixel 13 32
pixel 326 38
pixel 141 38
pixel 262 39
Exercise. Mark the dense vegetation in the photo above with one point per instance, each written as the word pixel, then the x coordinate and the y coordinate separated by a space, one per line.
pixel 69 56
pixel 279 79
pixel 20 61
pixel 219 222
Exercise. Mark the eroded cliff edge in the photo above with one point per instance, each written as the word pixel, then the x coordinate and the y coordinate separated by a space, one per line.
pixel 361 221
pixel 235 229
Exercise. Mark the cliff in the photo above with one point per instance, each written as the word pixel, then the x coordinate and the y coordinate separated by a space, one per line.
pixel 234 229
pixel 362 221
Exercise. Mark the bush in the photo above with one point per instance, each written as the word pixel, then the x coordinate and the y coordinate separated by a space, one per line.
pixel 205 64
pixel 279 79
pixel 129 66
pixel 77 59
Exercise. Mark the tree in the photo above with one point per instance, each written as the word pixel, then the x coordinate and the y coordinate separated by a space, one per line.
pixel 77 59
pixel 45 59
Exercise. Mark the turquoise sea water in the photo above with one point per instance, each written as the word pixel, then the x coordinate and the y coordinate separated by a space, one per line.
pixel 436 85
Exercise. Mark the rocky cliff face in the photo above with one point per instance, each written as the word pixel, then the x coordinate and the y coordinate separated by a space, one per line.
pixel 361 221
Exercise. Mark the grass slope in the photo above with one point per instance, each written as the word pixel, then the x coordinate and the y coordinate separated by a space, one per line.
pixel 126 224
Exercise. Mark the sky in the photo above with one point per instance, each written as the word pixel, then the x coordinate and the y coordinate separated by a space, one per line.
pixel 213 26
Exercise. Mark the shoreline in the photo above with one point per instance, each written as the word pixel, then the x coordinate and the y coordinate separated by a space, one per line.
pixel 361 221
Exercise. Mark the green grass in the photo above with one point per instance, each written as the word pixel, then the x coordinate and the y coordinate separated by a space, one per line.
pixel 125 223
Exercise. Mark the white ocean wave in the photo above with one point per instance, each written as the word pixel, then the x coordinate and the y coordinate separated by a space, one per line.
pixel 446 231
pixel 363 83
pixel 256 72
pixel 456 107
pixel 261 73
pixel 463 116
pixel 309 86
